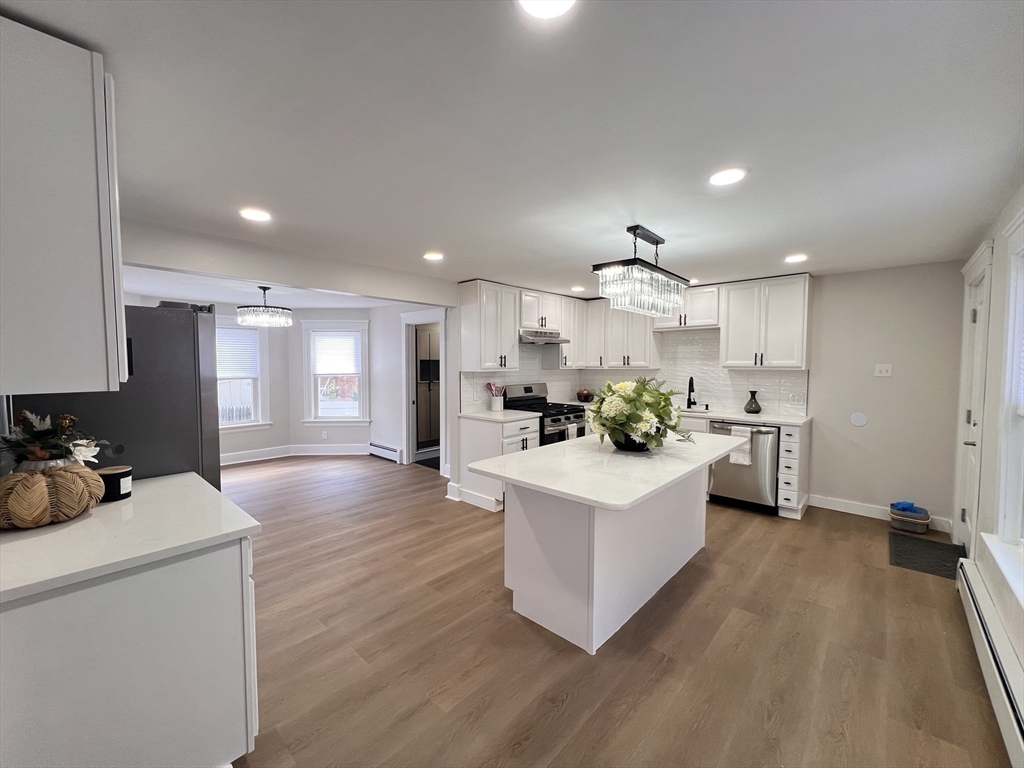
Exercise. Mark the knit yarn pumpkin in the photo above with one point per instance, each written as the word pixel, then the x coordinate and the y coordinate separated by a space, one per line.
pixel 32 499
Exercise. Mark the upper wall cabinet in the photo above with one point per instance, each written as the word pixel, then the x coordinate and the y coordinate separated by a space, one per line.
pixel 541 310
pixel 628 342
pixel 489 323
pixel 764 323
pixel 699 310
pixel 61 308
pixel 573 320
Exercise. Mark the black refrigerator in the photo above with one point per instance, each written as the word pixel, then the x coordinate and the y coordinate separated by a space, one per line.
pixel 165 415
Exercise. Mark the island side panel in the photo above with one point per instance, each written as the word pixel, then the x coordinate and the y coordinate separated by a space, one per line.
pixel 638 550
pixel 548 565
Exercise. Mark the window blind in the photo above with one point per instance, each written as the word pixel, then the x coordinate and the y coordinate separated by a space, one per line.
pixel 337 353
pixel 238 353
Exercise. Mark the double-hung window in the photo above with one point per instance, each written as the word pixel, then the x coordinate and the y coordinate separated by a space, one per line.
pixel 336 371
pixel 239 390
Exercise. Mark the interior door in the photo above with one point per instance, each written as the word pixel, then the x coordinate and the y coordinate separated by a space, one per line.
pixel 783 322
pixel 740 312
pixel 974 353
pixel 597 333
pixel 509 326
pixel 617 342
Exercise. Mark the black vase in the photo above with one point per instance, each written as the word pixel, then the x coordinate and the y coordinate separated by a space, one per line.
pixel 752 405
pixel 630 445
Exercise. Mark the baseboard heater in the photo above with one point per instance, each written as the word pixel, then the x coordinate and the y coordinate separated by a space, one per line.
pixel 1004 674
pixel 385 452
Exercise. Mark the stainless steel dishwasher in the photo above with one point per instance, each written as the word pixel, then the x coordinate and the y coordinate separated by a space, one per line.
pixel 753 486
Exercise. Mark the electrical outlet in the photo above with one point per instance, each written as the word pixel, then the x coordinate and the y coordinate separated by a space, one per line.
pixel 883 369
pixel 323 435
pixel 476 395
pixel 796 398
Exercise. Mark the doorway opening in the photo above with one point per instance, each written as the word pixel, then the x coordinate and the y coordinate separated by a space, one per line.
pixel 427 403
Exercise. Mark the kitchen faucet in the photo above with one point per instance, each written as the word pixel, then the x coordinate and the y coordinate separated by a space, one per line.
pixel 690 399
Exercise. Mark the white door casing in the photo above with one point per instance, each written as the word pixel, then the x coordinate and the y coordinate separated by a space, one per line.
pixel 973 359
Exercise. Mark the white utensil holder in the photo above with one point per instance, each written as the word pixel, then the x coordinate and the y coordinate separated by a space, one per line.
pixel 497 403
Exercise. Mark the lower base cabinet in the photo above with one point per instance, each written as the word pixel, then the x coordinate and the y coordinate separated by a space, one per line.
pixel 484 439
pixel 151 666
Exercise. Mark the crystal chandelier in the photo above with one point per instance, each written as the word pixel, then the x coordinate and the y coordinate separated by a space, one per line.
pixel 635 285
pixel 263 316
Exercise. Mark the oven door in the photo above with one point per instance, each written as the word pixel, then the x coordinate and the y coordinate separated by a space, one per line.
pixel 554 433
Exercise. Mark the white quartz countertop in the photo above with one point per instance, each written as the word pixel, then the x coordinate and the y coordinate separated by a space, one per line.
pixel 750 418
pixel 164 517
pixel 499 416
pixel 599 475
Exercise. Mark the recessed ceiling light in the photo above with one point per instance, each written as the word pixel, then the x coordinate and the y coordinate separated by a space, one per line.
pixel 694 281
pixel 577 288
pixel 796 258
pixel 728 176
pixel 546 9
pixel 433 256
pixel 254 214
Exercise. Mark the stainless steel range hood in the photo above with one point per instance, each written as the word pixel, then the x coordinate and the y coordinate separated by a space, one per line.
pixel 537 336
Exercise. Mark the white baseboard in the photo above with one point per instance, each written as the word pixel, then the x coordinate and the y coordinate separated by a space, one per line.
pixel 446 471
pixel 280 451
pixel 454 492
pixel 869 510
pixel 479 500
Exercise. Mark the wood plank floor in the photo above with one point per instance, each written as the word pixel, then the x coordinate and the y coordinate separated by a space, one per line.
pixel 385 636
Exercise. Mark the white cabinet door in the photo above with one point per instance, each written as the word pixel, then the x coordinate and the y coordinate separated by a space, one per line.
pixel 509 327
pixel 740 310
pixel 597 332
pixel 551 311
pixel 579 339
pixel 671 323
pixel 57 238
pixel 617 342
pixel 567 312
pixel 491 348
pixel 784 322
pixel 531 309
pixel 701 307
pixel 638 341
pixel 523 443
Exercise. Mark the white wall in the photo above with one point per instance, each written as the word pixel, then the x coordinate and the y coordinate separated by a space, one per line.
pixel 387 391
pixel 156 246
pixel 909 317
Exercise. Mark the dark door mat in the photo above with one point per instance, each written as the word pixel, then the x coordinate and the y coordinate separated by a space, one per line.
pixel 925 555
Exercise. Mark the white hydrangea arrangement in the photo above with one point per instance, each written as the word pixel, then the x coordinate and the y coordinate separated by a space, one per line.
pixel 636 411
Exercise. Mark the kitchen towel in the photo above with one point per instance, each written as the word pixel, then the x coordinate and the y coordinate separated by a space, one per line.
pixel 742 454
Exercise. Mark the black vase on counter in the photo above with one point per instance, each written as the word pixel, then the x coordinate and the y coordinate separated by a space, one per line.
pixel 630 445
pixel 752 405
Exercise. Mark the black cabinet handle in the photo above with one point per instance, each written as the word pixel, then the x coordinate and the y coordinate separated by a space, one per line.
pixel 523 443
pixel 565 360
pixel 526 427
pixel 600 359
pixel 684 319
pixel 762 358
pixel 788 450
pixel 627 359
pixel 755 358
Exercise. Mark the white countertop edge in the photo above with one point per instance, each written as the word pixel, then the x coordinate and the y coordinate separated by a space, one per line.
pixel 738 416
pixel 116 566
pixel 499 416
pixel 591 502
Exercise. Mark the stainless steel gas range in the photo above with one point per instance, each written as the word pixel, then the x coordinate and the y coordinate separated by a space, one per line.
pixel 558 421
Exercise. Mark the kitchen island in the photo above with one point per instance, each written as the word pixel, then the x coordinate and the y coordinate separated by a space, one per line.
pixel 592 533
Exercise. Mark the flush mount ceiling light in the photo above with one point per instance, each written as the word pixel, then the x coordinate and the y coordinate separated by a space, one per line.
pixel 635 285
pixel 262 315
pixel 546 9
pixel 577 289
pixel 254 214
pixel 433 256
pixel 728 176
pixel 796 258
pixel 694 281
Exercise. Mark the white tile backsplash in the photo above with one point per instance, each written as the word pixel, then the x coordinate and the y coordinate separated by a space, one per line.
pixel 683 354
pixel 695 353
pixel 562 385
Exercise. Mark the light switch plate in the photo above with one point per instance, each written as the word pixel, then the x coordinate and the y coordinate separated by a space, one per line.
pixel 883 369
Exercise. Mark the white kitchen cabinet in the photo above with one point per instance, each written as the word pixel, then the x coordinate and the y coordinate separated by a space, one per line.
pixel 138 619
pixel 673 322
pixel 489 324
pixel 541 310
pixel 740 310
pixel 61 305
pixel 573 319
pixel 629 343
pixel 764 323
pixel 700 307
pixel 597 332
pixel 483 435
pixel 616 338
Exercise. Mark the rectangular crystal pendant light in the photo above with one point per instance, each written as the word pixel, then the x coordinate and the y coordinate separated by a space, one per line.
pixel 635 285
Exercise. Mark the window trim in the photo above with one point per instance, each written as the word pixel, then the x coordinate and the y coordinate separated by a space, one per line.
pixel 308 378
pixel 1011 433
pixel 263 351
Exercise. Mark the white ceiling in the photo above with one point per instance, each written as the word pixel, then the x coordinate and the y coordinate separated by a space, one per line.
pixel 877 134
pixel 207 289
